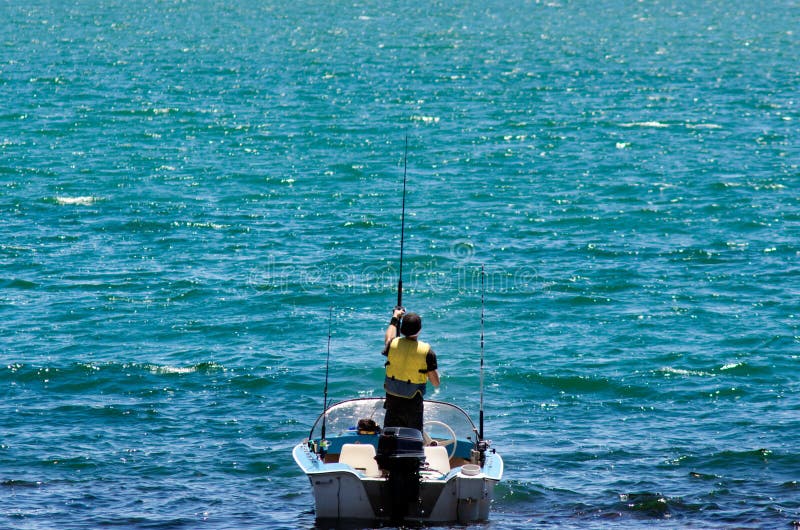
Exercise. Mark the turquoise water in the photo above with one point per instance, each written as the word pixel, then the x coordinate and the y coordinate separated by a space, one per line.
pixel 187 187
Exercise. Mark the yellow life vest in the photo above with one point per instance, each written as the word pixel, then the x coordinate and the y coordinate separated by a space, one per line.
pixel 407 361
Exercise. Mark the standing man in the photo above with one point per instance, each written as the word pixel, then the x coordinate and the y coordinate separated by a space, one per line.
pixel 410 364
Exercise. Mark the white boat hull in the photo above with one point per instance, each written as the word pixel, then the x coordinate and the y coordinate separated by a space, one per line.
pixel 343 493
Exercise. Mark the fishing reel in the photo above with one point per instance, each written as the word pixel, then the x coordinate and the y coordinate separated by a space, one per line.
pixel 396 321
pixel 320 449
pixel 478 455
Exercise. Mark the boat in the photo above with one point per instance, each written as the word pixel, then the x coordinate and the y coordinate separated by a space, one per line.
pixel 361 472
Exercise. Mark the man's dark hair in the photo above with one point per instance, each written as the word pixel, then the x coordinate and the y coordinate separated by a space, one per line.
pixel 411 324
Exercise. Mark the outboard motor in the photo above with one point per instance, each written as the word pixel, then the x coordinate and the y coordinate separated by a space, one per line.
pixel 401 455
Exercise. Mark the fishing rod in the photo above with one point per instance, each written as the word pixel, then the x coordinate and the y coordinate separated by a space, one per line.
pixel 483 290
pixel 323 444
pixel 483 444
pixel 402 228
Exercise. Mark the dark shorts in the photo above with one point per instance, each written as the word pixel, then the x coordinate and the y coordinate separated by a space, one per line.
pixel 403 412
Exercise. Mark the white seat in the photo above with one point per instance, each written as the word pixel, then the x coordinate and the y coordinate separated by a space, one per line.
pixel 436 458
pixel 360 457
